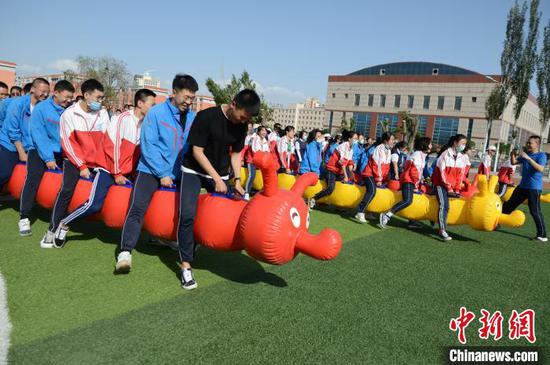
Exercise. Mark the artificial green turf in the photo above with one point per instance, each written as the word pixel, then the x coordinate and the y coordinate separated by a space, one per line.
pixel 387 298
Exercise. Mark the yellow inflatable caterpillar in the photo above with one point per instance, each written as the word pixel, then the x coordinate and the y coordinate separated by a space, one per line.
pixel 544 198
pixel 483 211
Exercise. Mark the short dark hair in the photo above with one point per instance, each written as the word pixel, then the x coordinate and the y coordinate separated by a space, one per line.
pixel 15 88
pixel 347 135
pixel 422 144
pixel 3 85
pixel 535 137
pixel 90 86
pixel 27 87
pixel 64 85
pixel 183 81
pixel 142 95
pixel 248 100
pixel 386 136
pixel 78 98
pixel 289 128
pixel 39 80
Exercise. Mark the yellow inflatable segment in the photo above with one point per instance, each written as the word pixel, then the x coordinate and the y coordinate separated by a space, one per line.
pixel 544 198
pixel 483 211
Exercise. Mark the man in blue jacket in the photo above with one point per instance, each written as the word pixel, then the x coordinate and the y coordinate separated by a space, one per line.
pixel 313 157
pixel 45 150
pixel 15 138
pixel 163 142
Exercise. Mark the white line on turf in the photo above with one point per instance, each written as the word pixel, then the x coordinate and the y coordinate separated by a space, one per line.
pixel 5 325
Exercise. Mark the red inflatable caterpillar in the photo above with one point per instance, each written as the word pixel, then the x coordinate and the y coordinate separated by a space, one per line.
pixel 272 227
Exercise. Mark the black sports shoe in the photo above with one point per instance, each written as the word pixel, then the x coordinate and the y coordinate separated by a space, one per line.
pixel 187 280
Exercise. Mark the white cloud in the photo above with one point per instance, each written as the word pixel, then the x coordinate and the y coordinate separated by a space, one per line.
pixel 64 64
pixel 28 69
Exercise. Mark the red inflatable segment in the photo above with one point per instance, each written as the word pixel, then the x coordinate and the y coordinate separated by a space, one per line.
pixel 81 195
pixel 116 206
pixel 221 234
pixel 161 218
pixel 49 187
pixel 17 180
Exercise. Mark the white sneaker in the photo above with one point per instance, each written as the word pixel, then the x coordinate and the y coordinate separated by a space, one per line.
pixel 187 280
pixel 360 217
pixel 246 196
pixel 48 240
pixel 311 203
pixel 25 227
pixel 445 236
pixel 61 236
pixel 541 239
pixel 124 262
pixel 383 220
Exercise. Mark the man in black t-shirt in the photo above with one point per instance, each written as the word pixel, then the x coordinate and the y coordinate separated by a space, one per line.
pixel 216 139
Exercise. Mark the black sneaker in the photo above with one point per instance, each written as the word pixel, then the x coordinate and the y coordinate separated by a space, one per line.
pixel 61 236
pixel 187 280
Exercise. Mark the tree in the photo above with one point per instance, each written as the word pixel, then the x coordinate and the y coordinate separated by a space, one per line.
pixel 543 80
pixel 225 94
pixel 111 72
pixel 494 107
pixel 409 128
pixel 525 57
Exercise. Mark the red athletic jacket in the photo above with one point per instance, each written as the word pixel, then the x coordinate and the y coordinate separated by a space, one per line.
pixel 485 165
pixel 340 158
pixel 82 135
pixel 379 163
pixel 506 172
pixel 450 170
pixel 256 144
pixel 412 171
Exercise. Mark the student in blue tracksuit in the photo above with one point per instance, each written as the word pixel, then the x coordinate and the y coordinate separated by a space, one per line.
pixel 15 139
pixel 313 156
pixel 530 186
pixel 358 148
pixel 4 91
pixel 15 91
pixel 4 104
pixel 164 133
pixel 45 149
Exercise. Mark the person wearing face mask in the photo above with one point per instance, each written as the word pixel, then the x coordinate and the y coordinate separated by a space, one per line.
pixel 339 166
pixel 81 126
pixel 273 139
pixel 375 172
pixel 116 161
pixel 15 139
pixel 532 162
pixel 358 148
pixel 447 178
pixel 313 157
pixel 163 140
pixel 410 178
pixel 217 138
pixel 486 159
pixel 258 143
pixel 300 146
pixel 45 150
pixel 285 151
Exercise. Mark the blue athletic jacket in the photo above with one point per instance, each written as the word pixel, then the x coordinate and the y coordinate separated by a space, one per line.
pixel 330 151
pixel 357 150
pixel 4 108
pixel 163 141
pixel 44 129
pixel 312 159
pixel 363 158
pixel 16 124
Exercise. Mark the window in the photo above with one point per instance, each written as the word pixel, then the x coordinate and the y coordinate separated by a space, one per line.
pixel 470 126
pixel 474 99
pixel 422 125
pixel 382 100
pixel 333 95
pixel 362 122
pixel 410 102
pixel 426 102
pixel 444 128
pixel 435 71
pixel 371 99
pixel 393 123
pixel 357 99
pixel 458 102
pixel 440 102
pixel 346 96
pixel 397 101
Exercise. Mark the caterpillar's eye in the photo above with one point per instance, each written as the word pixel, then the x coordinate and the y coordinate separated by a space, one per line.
pixel 295 217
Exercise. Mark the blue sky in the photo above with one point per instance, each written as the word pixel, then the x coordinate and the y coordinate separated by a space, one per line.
pixel 289 47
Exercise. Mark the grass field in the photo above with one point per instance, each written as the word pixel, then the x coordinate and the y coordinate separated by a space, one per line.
pixel 387 298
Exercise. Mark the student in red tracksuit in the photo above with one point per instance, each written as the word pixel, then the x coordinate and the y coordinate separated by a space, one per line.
pixel 486 158
pixel 447 178
pixel 285 151
pixel 249 134
pixel 506 173
pixel 376 172
pixel 339 165
pixel 410 178
pixel 273 139
pixel 257 143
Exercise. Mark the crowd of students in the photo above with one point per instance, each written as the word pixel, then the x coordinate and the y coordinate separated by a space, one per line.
pixel 169 145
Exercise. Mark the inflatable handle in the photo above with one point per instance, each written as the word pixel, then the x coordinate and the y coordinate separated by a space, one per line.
pixel 171 188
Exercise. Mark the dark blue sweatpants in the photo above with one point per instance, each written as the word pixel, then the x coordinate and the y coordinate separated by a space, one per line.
pixel 8 160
